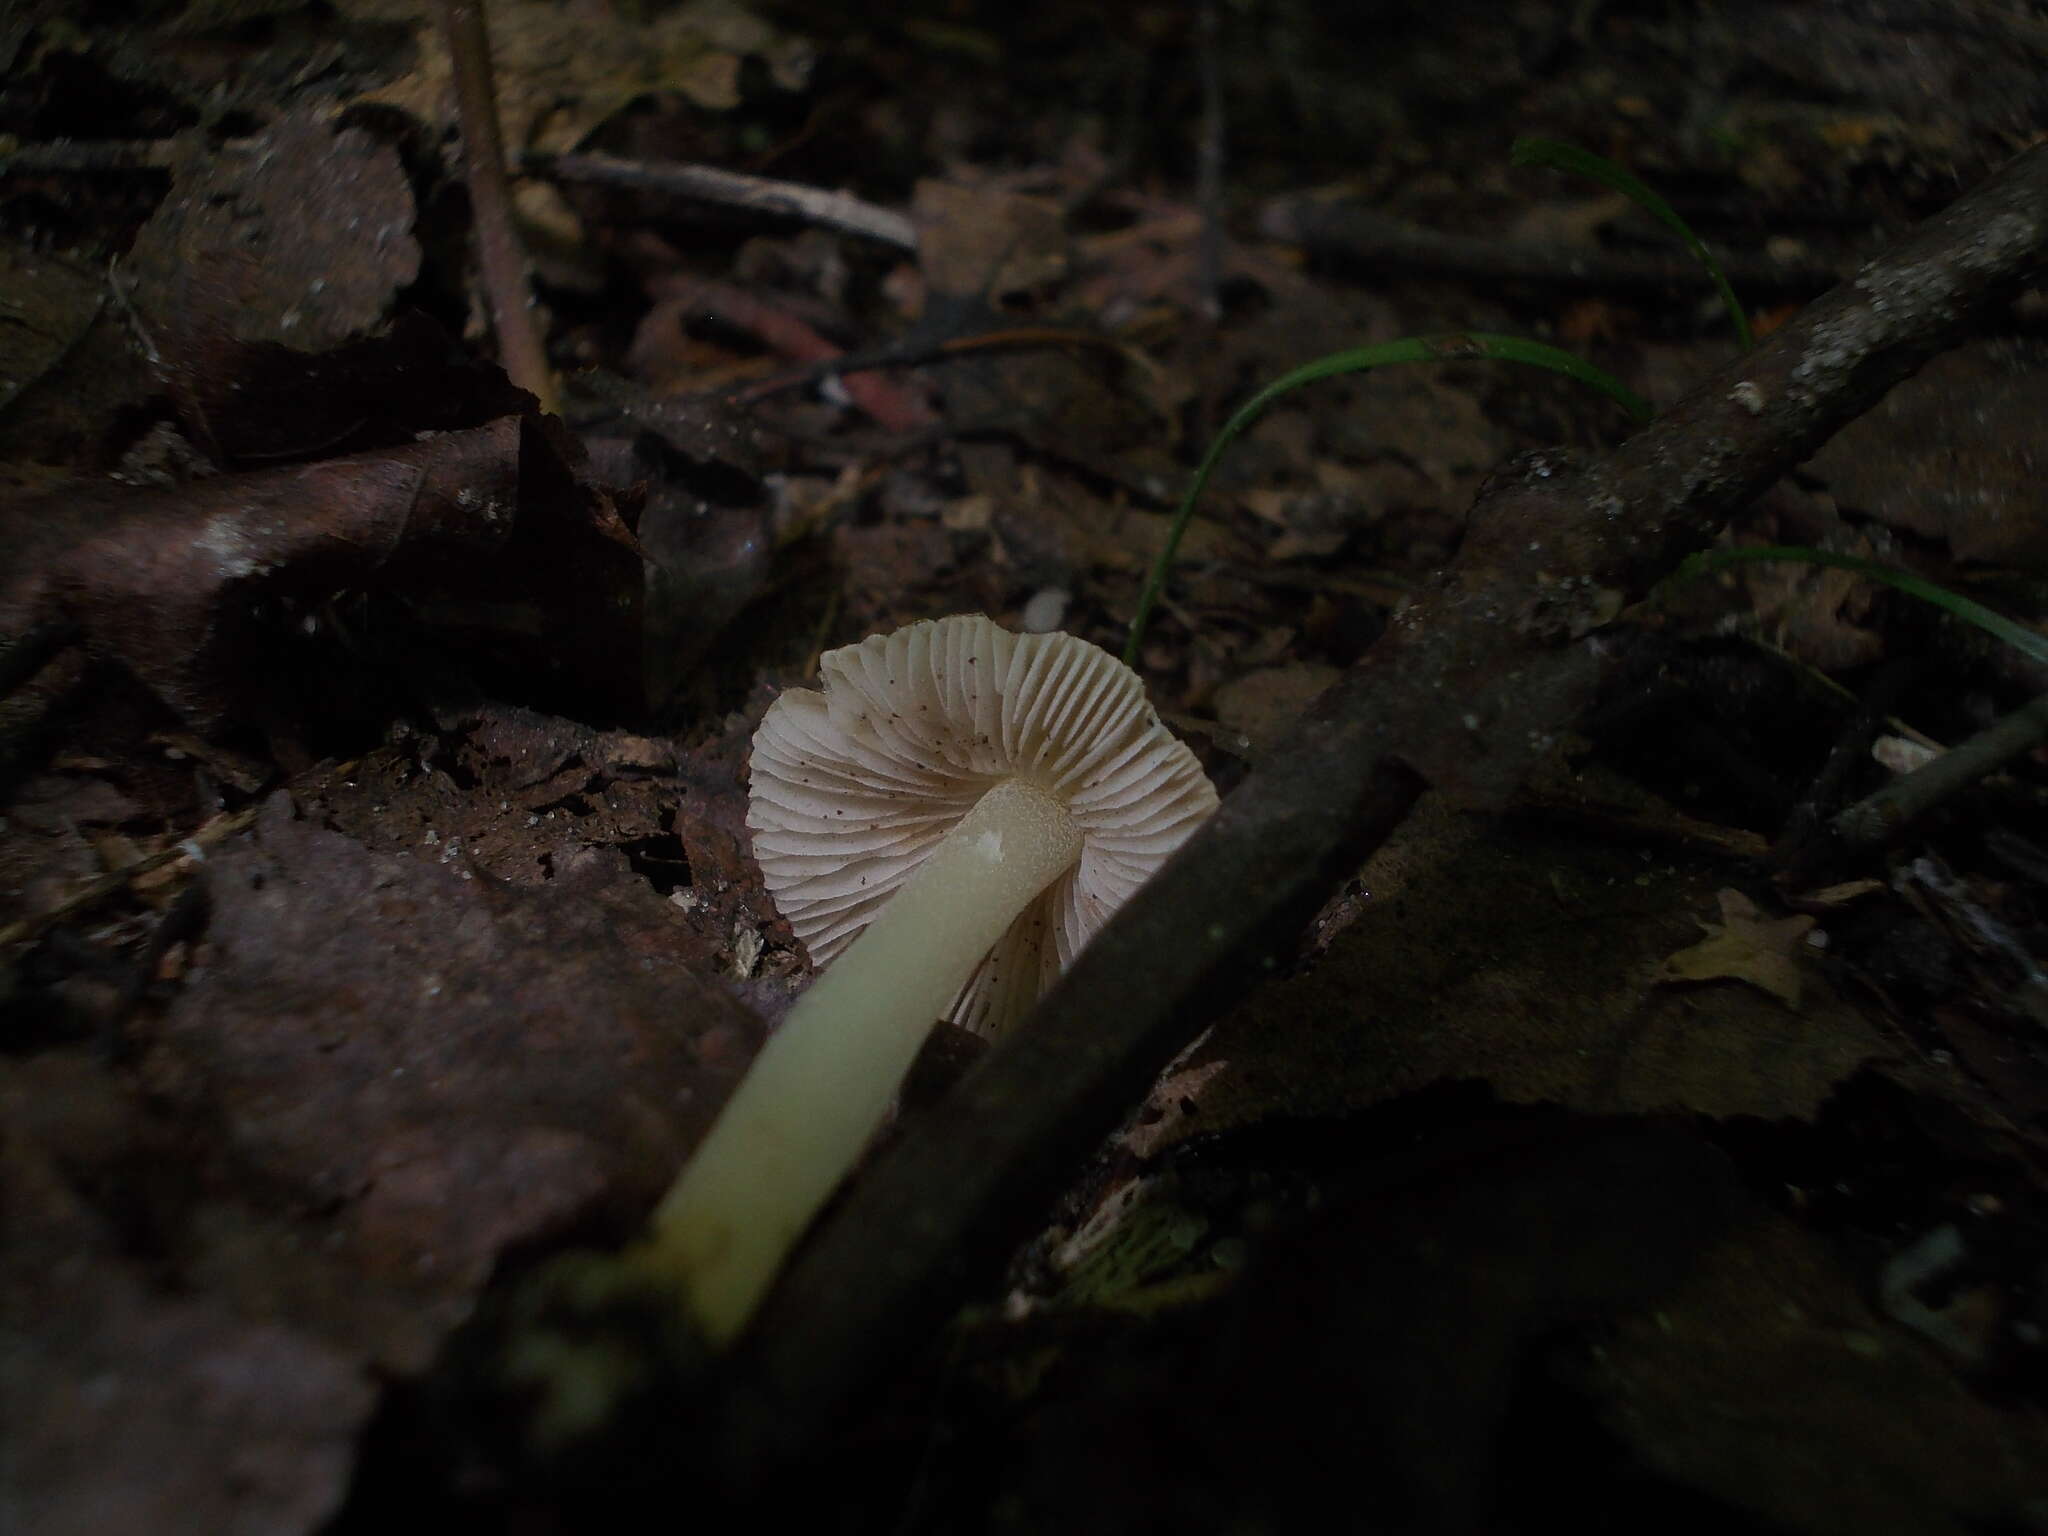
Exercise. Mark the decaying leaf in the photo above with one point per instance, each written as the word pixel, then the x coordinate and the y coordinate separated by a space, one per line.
pixel 1955 454
pixel 983 239
pixel 1261 705
pixel 130 1407
pixel 293 244
pixel 431 1065
pixel 1816 613
pixel 51 301
pixel 562 70
pixel 1822 1418
pixel 1745 946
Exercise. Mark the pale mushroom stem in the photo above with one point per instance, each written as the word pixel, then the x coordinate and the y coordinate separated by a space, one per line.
pixel 824 1081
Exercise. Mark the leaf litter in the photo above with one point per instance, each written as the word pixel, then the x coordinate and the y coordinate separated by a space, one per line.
pixel 474 946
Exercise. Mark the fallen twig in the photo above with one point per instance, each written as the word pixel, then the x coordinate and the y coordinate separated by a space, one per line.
pixel 910 353
pixel 100 887
pixel 1878 818
pixel 892 406
pixel 785 199
pixel 1464 692
pixel 1209 150
pixel 1350 233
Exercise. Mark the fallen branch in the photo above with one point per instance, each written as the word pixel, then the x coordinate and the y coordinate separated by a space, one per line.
pixel 1346 232
pixel 784 199
pixel 1875 820
pixel 1463 694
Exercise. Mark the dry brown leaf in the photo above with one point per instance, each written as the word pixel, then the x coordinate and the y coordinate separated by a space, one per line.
pixel 434 1066
pixel 1955 454
pixel 1119 539
pixel 1814 613
pixel 256 268
pixel 52 302
pixel 1261 705
pixel 301 240
pixel 986 239
pixel 563 69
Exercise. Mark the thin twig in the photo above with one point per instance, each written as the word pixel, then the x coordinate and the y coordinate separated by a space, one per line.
pixel 1209 161
pixel 490 199
pixel 785 199
pixel 1878 818
pixel 1350 233
pixel 209 833
pixel 910 353
pixel 1850 751
pixel 100 887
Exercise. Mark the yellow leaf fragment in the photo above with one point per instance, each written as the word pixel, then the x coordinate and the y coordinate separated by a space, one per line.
pixel 1745 946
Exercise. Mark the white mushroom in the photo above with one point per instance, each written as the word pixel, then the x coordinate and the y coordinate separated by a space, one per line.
pixel 944 826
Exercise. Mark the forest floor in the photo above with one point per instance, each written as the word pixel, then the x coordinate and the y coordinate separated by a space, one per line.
pixel 1626 1142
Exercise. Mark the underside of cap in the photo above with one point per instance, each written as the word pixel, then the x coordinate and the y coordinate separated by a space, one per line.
pixel 854 786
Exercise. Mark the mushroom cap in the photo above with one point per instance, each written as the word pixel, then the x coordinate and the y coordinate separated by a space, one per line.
pixel 853 787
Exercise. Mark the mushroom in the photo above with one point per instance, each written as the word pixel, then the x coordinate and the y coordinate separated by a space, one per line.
pixel 944 827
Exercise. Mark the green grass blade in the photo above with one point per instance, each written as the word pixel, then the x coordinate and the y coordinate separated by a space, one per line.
pixel 1410 349
pixel 1528 150
pixel 2027 642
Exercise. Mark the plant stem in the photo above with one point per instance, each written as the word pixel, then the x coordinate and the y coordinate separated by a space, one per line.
pixel 490 200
